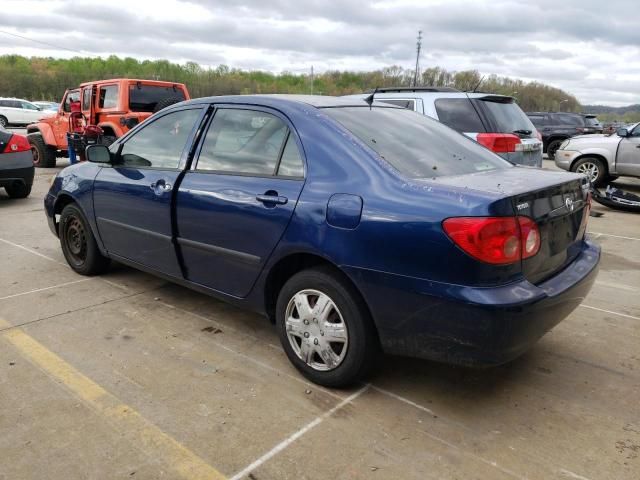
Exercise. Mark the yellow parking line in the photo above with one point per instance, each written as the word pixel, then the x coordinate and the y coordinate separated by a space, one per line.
pixel 133 426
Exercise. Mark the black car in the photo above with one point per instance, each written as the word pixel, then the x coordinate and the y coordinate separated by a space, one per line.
pixel 16 164
pixel 556 127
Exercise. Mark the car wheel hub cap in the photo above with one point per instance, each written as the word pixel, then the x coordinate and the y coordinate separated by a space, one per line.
pixel 589 169
pixel 316 330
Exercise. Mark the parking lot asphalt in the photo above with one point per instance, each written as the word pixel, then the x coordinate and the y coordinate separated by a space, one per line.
pixel 128 376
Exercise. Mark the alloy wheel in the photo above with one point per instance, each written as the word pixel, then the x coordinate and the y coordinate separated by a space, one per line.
pixel 316 330
pixel 591 170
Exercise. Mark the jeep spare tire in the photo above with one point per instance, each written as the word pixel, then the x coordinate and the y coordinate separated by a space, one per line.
pixel 165 102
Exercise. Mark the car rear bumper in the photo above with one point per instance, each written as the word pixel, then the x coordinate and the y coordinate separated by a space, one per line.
pixel 16 167
pixel 469 325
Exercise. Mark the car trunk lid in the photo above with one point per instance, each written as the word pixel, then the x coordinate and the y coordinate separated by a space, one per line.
pixel 556 201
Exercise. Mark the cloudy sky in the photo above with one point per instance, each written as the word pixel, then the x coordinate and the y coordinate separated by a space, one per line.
pixel 589 48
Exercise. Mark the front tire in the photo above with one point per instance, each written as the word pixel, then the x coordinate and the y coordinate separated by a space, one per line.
pixel 325 328
pixel 43 155
pixel 593 168
pixel 18 190
pixel 78 243
pixel 3 121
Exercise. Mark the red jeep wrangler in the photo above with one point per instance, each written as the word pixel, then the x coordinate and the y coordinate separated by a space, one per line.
pixel 115 106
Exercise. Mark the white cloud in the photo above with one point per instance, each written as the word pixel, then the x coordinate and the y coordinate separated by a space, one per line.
pixel 576 45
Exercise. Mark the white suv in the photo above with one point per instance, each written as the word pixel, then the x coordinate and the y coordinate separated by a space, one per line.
pixel 495 121
pixel 16 111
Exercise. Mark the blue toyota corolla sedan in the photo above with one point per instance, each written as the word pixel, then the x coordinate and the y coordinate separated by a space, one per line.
pixel 356 228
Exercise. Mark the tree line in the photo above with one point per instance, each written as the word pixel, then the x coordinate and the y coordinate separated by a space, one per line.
pixel 40 78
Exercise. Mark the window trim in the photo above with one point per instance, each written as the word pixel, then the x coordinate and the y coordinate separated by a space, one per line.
pixel 189 144
pixel 258 108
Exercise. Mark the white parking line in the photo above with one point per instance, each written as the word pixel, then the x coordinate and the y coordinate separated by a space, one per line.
pixel 610 311
pixel 614 236
pixel 266 366
pixel 32 251
pixel 288 441
pixel 619 286
pixel 46 288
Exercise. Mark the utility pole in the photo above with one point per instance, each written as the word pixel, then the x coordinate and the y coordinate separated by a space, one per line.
pixel 311 79
pixel 418 48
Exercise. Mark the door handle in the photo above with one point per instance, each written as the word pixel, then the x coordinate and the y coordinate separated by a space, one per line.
pixel 273 199
pixel 160 187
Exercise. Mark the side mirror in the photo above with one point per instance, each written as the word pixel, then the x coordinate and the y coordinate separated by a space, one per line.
pixel 98 154
pixel 622 132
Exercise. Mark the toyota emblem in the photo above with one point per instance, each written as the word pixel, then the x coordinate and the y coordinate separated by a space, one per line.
pixel 569 204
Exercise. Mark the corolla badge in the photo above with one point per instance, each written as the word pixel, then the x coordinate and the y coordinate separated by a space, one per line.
pixel 568 202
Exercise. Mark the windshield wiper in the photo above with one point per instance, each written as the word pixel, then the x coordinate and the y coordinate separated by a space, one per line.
pixel 522 132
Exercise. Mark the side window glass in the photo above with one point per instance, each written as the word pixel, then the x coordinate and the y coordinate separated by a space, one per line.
pixel 243 141
pixel 408 104
pixel 70 98
pixel 108 97
pixel 459 114
pixel 291 161
pixel 28 106
pixel 160 144
pixel 537 120
pixel 86 99
pixel 636 131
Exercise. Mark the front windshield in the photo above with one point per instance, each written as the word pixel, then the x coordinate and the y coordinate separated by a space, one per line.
pixel 416 145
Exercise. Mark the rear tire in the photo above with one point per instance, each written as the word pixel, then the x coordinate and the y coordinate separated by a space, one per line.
pixel 18 190
pixel 341 315
pixel 552 148
pixel 78 243
pixel 43 155
pixel 3 121
pixel 593 168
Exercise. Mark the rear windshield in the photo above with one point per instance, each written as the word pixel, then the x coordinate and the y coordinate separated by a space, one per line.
pixel 144 98
pixel 414 144
pixel 459 114
pixel 591 122
pixel 505 115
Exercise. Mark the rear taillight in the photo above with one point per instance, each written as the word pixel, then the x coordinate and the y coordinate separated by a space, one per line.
pixel 499 142
pixel 538 135
pixel 17 143
pixel 496 240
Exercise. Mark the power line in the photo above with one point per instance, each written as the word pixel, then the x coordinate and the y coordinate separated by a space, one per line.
pixel 45 43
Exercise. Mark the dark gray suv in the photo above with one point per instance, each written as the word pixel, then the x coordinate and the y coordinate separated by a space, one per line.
pixel 556 127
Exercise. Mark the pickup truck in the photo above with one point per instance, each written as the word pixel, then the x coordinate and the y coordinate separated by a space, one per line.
pixel 603 158
pixel 115 105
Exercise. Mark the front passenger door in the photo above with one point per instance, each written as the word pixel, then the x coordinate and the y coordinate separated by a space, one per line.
pixel 628 159
pixel 132 198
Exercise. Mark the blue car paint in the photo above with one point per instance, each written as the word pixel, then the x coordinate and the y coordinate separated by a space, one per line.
pixel 426 297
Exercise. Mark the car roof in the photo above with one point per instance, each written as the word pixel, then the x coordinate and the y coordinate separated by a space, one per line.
pixel 587 115
pixel 317 101
pixel 116 80
pixel 427 94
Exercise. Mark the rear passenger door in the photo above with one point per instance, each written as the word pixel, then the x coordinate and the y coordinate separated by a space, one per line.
pixel 237 199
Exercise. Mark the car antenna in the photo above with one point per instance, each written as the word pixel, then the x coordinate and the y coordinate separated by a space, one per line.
pixel 478 84
pixel 369 99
